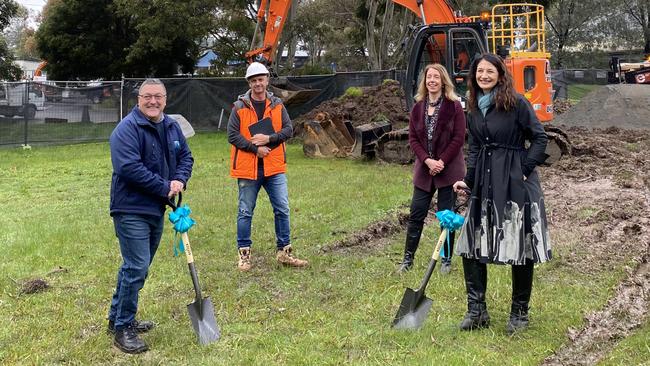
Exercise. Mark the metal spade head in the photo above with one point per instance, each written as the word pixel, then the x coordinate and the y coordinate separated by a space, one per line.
pixel 413 310
pixel 203 320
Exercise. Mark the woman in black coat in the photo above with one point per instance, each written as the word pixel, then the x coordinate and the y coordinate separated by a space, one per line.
pixel 436 136
pixel 506 219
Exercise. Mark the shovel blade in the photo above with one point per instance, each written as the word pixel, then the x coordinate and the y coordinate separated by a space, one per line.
pixel 203 321
pixel 413 310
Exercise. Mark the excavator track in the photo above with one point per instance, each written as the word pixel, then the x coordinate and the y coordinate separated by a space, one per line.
pixel 393 147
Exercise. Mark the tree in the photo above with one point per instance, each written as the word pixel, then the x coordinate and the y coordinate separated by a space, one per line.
pixel 84 39
pixel 167 34
pixel 20 36
pixel 90 39
pixel 8 70
pixel 638 11
pixel 573 23
pixel 231 32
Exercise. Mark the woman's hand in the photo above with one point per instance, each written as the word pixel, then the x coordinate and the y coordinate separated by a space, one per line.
pixel 435 166
pixel 461 188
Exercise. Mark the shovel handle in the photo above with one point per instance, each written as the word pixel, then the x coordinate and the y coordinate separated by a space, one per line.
pixel 441 240
pixel 188 248
pixel 432 263
pixel 190 264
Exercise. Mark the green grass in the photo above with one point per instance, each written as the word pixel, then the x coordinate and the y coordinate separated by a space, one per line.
pixel 337 311
pixel 578 91
pixel 633 350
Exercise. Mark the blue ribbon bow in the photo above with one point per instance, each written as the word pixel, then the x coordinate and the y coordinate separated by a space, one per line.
pixel 451 221
pixel 182 224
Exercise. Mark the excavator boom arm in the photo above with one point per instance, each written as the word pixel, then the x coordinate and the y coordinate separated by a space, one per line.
pixel 430 11
pixel 275 20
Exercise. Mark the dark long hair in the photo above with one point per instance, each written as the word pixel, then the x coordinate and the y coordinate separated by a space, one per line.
pixel 505 96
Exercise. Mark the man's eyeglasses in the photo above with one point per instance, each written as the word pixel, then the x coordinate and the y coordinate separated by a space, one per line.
pixel 148 97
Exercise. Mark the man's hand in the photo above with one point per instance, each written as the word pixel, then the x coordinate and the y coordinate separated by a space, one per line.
pixel 262 151
pixel 260 140
pixel 175 187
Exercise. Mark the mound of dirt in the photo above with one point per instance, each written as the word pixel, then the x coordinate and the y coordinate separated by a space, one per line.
pixel 623 105
pixel 385 102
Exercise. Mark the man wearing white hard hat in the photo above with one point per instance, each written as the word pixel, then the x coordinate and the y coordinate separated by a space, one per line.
pixel 258 127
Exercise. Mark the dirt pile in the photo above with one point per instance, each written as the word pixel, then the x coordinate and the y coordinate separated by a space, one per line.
pixel 623 105
pixel 385 102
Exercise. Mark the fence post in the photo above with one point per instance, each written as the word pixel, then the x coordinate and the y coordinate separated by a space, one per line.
pixel 121 98
pixel 25 104
pixel 220 117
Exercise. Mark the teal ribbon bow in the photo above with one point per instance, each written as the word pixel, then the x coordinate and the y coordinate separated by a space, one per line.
pixel 182 221
pixel 451 221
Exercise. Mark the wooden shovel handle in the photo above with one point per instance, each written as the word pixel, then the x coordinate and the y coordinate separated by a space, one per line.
pixel 188 248
pixel 441 240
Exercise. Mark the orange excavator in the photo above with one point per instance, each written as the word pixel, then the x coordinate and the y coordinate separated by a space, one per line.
pixel 514 31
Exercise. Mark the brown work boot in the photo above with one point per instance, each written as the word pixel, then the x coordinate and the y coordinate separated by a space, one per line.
pixel 285 256
pixel 244 259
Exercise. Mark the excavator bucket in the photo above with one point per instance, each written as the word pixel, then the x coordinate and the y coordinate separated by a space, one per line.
pixel 558 144
pixel 290 93
pixel 326 137
pixel 329 136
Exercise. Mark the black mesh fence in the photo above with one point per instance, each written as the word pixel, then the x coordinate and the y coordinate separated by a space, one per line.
pixel 68 112
pixel 57 112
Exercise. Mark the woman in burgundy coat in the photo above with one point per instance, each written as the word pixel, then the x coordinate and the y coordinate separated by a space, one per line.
pixel 436 136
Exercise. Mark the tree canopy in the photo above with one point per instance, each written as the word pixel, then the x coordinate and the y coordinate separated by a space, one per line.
pixel 8 69
pixel 90 39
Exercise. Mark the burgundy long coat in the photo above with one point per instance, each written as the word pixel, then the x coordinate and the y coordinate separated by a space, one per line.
pixel 448 140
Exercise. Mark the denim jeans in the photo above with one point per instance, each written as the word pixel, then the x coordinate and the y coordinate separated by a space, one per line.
pixel 139 236
pixel 276 187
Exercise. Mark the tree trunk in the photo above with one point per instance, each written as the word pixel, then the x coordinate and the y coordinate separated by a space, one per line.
pixel 386 26
pixel 370 34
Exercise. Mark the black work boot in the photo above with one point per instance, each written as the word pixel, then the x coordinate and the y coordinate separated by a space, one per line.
pixel 127 341
pixel 139 326
pixel 475 283
pixel 522 285
pixel 413 233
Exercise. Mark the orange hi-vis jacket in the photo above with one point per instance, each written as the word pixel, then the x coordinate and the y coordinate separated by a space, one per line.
pixel 243 154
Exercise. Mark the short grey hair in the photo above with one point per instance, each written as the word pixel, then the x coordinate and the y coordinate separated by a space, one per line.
pixel 152 82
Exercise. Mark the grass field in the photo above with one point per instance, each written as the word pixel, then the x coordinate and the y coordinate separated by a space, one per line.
pixel 338 311
pixel 577 91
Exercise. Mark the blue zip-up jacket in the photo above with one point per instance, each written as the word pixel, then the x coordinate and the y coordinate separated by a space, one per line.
pixel 137 155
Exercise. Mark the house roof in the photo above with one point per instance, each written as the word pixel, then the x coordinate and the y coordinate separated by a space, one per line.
pixel 206 58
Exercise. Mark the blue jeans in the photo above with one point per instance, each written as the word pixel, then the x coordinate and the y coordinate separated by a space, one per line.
pixel 276 187
pixel 139 236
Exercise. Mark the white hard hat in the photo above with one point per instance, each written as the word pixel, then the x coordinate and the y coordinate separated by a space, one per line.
pixel 255 69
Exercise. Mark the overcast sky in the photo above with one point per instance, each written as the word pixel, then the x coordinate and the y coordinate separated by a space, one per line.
pixel 36 5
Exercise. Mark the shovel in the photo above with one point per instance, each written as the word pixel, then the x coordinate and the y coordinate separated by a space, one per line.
pixel 201 310
pixel 415 306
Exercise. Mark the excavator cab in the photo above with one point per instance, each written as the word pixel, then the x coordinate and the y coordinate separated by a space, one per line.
pixel 453 45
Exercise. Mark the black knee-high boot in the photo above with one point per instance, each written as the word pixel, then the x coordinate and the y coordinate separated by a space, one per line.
pixel 522 286
pixel 413 233
pixel 476 284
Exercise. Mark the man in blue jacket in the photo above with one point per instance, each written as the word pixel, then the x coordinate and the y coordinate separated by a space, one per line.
pixel 151 164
